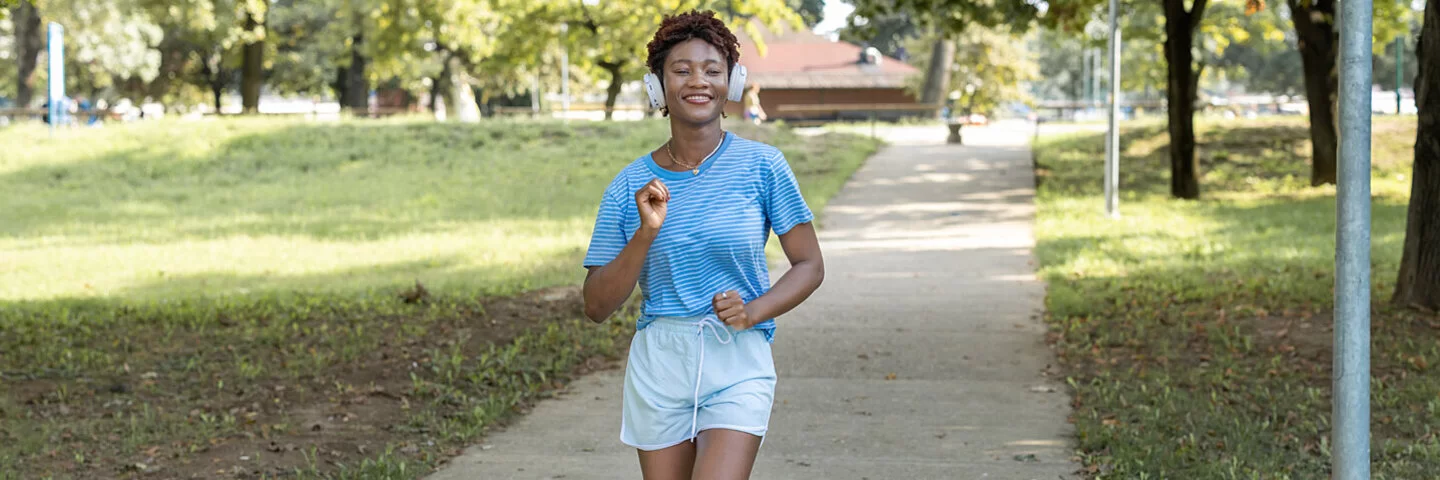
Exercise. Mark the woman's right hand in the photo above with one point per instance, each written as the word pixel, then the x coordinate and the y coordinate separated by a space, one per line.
pixel 652 200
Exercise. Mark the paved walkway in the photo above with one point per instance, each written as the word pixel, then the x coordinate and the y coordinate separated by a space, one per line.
pixel 921 357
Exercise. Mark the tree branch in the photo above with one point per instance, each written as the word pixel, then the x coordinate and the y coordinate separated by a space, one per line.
pixel 589 20
pixel 1197 11
pixel 1195 81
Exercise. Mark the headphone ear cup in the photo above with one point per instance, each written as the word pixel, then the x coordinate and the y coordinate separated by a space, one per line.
pixel 654 91
pixel 738 75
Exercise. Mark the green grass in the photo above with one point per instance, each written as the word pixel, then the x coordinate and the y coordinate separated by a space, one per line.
pixel 180 292
pixel 1197 333
pixel 218 208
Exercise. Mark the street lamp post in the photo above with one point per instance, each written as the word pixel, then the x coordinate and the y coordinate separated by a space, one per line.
pixel 564 71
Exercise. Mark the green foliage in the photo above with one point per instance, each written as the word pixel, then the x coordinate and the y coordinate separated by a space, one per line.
pixel 810 11
pixel 989 68
pixel 182 51
pixel 954 17
pixel 1195 334
pixel 887 33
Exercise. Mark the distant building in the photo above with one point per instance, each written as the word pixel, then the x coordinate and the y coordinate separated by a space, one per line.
pixel 802 69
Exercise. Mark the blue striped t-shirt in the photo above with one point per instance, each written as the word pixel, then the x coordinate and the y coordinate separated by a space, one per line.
pixel 715 230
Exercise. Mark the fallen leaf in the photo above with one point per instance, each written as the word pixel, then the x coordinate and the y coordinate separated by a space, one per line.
pixel 890 376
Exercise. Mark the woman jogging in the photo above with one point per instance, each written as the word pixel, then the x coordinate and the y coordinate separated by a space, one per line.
pixel 688 223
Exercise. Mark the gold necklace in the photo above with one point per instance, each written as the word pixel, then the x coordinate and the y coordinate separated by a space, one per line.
pixel 694 169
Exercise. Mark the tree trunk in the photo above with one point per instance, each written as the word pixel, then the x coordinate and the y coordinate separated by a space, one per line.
pixel 937 77
pixel 340 85
pixel 440 85
pixel 173 55
pixel 1419 282
pixel 357 83
pixel 213 69
pixel 613 92
pixel 1319 51
pixel 29 42
pixel 1183 81
pixel 252 74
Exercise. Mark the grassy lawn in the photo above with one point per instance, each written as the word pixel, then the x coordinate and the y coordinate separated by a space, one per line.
pixel 1197 334
pixel 261 297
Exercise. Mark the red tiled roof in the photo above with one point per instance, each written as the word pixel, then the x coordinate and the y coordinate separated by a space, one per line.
pixel 806 60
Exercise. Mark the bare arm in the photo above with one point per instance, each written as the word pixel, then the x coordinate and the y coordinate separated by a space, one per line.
pixel 607 287
pixel 807 272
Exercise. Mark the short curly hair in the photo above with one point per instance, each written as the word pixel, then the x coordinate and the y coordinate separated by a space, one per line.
pixel 676 29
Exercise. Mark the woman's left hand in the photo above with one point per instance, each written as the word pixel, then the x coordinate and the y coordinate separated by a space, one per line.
pixel 732 311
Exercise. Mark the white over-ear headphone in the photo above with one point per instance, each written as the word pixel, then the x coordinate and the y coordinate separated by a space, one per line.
pixel 656 91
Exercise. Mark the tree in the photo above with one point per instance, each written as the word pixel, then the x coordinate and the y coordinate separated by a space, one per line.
pixel 946 19
pixel 29 42
pixel 1319 43
pixel 612 35
pixel 108 46
pixel 811 11
pixel 1181 88
pixel 887 33
pixel 1266 60
pixel 1419 279
pixel 308 46
pixel 252 69
pixel 206 42
pixel 1319 49
pixel 988 67
pixel 1059 63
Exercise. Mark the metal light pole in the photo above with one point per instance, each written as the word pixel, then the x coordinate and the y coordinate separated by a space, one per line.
pixel 1112 144
pixel 1085 75
pixel 1099 77
pixel 564 72
pixel 1400 68
pixel 1351 376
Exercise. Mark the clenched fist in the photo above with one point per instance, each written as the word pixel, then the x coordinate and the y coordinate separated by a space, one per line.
pixel 731 310
pixel 652 200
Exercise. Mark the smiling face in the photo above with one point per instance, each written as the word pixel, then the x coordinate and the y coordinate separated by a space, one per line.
pixel 696 79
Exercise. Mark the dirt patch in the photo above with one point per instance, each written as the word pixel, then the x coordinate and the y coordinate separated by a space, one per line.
pixel 278 424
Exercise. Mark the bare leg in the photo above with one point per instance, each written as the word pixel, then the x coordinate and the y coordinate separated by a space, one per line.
pixel 672 463
pixel 725 455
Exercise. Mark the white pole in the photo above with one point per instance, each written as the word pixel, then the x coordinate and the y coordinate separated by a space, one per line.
pixel 1112 157
pixel 1350 409
pixel 564 74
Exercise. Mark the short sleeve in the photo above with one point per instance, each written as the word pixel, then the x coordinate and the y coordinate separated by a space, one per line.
pixel 784 206
pixel 608 238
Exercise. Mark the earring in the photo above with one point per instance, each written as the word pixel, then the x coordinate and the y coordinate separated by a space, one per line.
pixel 665 111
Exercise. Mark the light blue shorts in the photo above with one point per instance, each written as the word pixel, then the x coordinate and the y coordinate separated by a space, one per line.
pixel 688 375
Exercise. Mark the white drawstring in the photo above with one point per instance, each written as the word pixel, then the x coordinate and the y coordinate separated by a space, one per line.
pixel 716 327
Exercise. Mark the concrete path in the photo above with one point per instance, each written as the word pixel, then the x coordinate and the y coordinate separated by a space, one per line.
pixel 921 357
